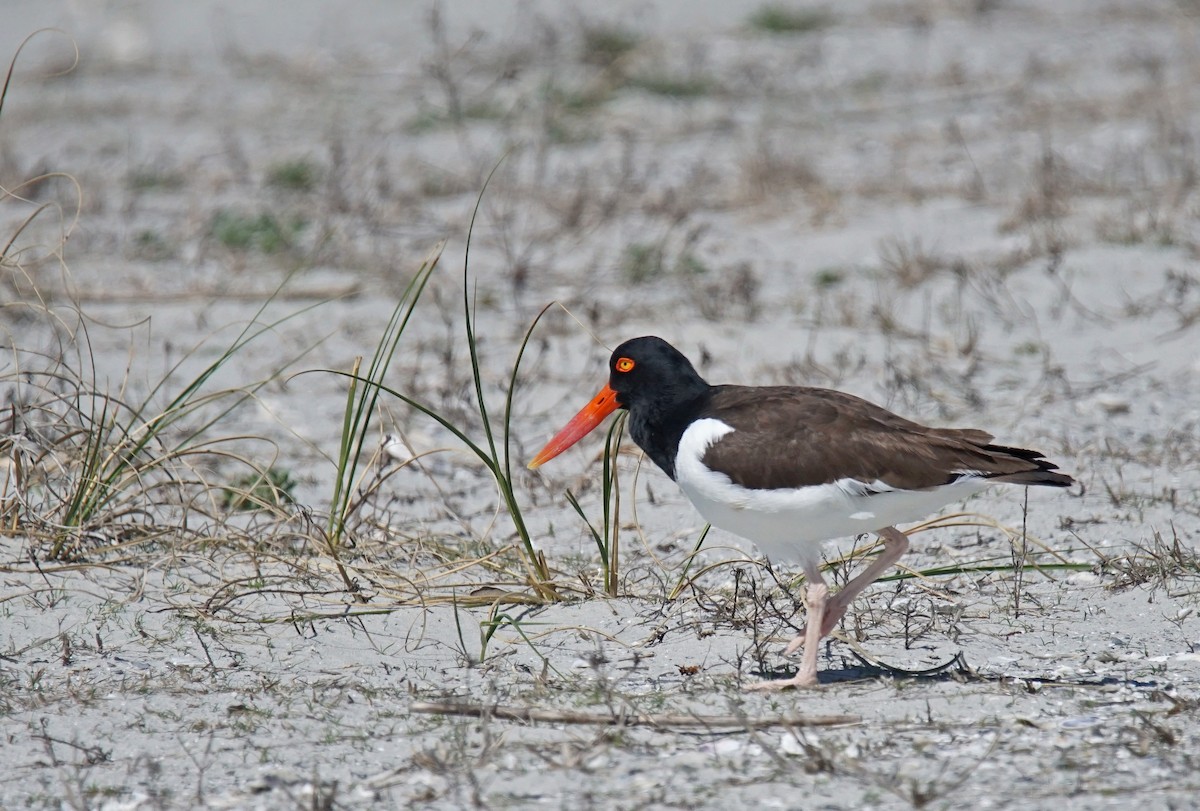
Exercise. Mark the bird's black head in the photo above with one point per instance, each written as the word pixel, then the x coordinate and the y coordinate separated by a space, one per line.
pixel 649 373
pixel 660 388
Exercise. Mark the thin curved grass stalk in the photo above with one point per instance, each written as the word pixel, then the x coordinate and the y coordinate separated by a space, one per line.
pixel 598 538
pixel 498 466
pixel 607 536
pixel 182 402
pixel 462 640
pixel 682 582
pixel 361 402
pixel 944 571
pixel 346 465
pixel 469 324
pixel 495 457
pixel 612 498
pixel 746 560
pixel 512 388
pixel 488 628
pixel 960 519
pixel 502 470
pixel 505 482
pixel 33 215
pixel 968 519
pixel 8 76
pixel 534 560
pixel 13 62
pixel 360 405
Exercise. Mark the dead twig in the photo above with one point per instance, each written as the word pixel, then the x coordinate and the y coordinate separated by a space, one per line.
pixel 509 713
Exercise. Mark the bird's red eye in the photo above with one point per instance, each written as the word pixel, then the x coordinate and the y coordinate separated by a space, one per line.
pixel 625 365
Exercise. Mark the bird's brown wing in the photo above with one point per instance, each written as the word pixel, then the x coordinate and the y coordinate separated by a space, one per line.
pixel 787 437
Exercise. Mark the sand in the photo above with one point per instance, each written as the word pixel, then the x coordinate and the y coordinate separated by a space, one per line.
pixel 977 214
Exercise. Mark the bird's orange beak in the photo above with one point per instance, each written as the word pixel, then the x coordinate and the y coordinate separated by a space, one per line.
pixel 580 426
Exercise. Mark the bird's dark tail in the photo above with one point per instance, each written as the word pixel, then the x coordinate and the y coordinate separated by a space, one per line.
pixel 1044 472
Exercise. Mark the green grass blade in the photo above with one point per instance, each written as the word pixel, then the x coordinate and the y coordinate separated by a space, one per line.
pixel 598 537
pixel 512 387
pixel 612 501
pixel 361 400
pixel 469 316
pixel 687 565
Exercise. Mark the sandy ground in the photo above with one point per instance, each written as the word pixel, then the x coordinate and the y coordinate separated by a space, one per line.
pixel 975 213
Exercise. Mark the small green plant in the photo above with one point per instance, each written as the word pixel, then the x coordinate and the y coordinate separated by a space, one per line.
pixel 688 264
pixel 268 489
pixel 575 101
pixel 426 120
pixel 642 262
pixel 484 110
pixel 152 179
pixel 494 451
pixel 495 455
pixel 487 631
pixel 361 399
pixel 109 451
pixel 776 18
pixel 828 278
pixel 294 175
pixel 152 246
pixel 672 85
pixel 604 44
pixel 263 233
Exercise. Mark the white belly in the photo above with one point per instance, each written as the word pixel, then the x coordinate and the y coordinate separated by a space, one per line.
pixel 792 523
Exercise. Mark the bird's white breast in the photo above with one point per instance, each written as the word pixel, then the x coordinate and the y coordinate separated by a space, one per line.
pixel 791 523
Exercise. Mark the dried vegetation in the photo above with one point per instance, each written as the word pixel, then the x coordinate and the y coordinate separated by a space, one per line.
pixel 644 175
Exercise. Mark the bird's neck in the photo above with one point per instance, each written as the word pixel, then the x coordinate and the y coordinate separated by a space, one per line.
pixel 657 425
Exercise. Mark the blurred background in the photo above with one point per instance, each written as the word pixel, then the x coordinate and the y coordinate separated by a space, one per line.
pixel 977 210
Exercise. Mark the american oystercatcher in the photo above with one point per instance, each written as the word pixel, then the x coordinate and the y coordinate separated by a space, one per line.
pixel 789 467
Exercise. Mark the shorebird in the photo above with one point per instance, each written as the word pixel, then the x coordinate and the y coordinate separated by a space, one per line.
pixel 789 468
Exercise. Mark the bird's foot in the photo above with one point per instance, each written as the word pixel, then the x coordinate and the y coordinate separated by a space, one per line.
pixel 801 679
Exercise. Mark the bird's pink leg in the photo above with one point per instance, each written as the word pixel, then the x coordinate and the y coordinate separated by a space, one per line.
pixel 824 613
pixel 817 599
pixel 895 544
